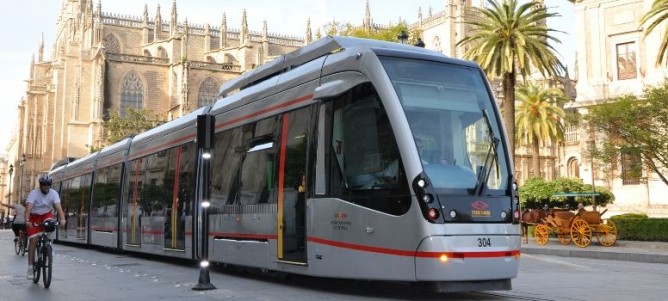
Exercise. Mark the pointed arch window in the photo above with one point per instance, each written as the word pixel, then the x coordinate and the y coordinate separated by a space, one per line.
pixel 132 92
pixel 208 92
pixel 111 44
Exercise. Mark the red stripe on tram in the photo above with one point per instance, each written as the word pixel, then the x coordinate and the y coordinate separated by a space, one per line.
pixel 420 254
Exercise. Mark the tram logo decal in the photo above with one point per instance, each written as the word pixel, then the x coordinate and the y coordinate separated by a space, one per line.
pixel 340 221
pixel 479 209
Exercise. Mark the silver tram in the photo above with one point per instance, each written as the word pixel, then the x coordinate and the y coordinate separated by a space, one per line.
pixel 347 158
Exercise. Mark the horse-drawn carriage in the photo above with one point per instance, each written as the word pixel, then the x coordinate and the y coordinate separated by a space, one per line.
pixel 577 226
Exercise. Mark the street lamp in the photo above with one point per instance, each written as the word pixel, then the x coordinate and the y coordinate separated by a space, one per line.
pixel 592 147
pixel 22 163
pixel 11 171
pixel 403 37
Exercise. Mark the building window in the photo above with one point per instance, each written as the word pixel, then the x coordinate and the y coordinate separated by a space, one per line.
pixel 626 61
pixel 437 44
pixel 208 92
pixel 631 168
pixel 111 44
pixel 572 133
pixel 132 93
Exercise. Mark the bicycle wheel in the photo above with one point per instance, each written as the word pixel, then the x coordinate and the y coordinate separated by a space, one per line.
pixel 47 260
pixel 17 245
pixel 37 264
pixel 24 244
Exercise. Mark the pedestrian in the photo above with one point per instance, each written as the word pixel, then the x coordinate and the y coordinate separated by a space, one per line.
pixel 39 207
pixel 19 222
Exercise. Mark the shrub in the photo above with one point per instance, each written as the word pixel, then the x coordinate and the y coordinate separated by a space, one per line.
pixel 633 226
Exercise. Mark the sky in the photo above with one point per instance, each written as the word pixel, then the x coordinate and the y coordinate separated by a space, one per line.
pixel 23 22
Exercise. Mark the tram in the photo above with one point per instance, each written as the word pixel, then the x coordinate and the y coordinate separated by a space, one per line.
pixel 347 158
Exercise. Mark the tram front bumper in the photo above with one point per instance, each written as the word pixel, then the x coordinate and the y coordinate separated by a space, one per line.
pixel 467 258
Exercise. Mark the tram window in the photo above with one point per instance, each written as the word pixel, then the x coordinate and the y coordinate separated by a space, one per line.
pixel 105 193
pixel 364 152
pixel 228 153
pixel 248 154
pixel 258 165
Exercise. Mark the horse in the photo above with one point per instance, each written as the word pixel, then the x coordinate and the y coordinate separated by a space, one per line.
pixel 531 217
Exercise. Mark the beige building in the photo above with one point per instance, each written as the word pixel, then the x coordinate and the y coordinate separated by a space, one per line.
pixel 102 63
pixel 614 58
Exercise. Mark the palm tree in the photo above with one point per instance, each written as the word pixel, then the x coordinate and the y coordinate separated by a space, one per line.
pixel 508 38
pixel 660 11
pixel 539 118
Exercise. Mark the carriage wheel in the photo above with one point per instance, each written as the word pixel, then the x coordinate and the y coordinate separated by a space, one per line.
pixel 564 237
pixel 580 233
pixel 607 233
pixel 541 234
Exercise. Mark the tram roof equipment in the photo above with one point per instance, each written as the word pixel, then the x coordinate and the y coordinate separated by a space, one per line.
pixel 319 48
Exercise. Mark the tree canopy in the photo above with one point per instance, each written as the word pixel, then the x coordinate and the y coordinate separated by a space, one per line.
pixel 653 19
pixel 386 34
pixel 536 193
pixel 507 38
pixel 135 121
pixel 539 118
pixel 634 125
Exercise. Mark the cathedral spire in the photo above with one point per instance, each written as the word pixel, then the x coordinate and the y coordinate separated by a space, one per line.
pixel 309 36
pixel 158 25
pixel 97 24
pixel 40 52
pixel 173 23
pixel 367 17
pixel 207 37
pixel 144 25
pixel 244 29
pixel 223 31
pixel 145 19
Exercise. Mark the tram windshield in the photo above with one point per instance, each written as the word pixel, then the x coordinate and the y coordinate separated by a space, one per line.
pixel 454 125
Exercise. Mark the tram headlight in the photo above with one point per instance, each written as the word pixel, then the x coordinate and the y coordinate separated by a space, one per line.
pixel 204 264
pixel 422 183
pixel 453 214
pixel 427 198
pixel 503 215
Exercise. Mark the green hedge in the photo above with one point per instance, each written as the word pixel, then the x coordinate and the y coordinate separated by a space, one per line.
pixel 638 227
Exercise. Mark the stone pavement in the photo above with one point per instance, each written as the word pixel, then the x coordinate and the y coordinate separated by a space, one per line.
pixel 639 251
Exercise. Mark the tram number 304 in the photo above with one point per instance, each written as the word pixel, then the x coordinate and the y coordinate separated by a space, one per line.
pixel 484 242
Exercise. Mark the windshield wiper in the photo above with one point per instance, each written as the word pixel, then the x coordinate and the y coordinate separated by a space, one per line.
pixel 483 175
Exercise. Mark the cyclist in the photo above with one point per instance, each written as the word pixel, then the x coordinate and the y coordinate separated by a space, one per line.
pixel 19 222
pixel 39 206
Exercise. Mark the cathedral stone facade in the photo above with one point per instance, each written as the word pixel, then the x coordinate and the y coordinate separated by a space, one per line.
pixel 103 63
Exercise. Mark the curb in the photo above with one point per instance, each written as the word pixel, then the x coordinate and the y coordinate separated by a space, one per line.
pixel 625 250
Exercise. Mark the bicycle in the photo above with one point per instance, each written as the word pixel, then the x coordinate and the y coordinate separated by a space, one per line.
pixel 21 243
pixel 44 254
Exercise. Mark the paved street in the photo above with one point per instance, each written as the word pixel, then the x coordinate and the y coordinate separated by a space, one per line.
pixel 91 274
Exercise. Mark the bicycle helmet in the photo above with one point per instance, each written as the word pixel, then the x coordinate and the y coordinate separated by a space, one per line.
pixel 45 180
pixel 49 225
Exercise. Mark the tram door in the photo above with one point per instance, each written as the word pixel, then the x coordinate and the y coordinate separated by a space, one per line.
pixel 292 181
